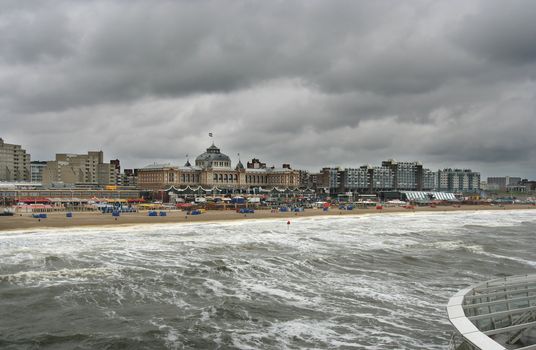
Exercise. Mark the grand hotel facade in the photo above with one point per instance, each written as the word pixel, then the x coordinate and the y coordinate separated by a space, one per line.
pixel 213 169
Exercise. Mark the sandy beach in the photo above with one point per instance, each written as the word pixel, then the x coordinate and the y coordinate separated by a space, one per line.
pixel 26 221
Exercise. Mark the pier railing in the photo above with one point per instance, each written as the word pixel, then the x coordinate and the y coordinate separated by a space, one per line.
pixel 495 315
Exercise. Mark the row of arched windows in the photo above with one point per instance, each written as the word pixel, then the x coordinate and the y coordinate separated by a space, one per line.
pixel 225 178
pixel 189 178
pixel 258 179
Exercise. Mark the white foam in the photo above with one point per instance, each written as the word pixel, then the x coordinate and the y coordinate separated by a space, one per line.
pixel 49 277
pixel 320 266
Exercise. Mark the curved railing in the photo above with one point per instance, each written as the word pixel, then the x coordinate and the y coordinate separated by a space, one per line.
pixel 498 314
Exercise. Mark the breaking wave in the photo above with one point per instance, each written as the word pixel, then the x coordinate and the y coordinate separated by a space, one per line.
pixel 375 282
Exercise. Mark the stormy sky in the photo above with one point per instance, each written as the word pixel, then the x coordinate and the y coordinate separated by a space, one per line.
pixel 311 83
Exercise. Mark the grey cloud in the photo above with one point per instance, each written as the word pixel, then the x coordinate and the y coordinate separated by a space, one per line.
pixel 500 31
pixel 174 49
pixel 308 82
pixel 29 39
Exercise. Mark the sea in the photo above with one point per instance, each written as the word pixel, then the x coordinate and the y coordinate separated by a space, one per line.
pixel 378 281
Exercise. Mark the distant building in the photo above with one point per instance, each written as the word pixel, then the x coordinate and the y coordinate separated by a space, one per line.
pixel 255 164
pixel 313 181
pixel 380 178
pixel 355 180
pixel 394 176
pixel 390 176
pixel 529 185
pixel 36 170
pixel 501 183
pixel 304 177
pixel 115 172
pixel 80 169
pixel 406 175
pixel 129 178
pixel 429 180
pixel 14 163
pixel 214 169
pixel 331 180
pixel 458 180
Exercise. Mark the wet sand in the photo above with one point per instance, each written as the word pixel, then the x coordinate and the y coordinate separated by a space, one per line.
pixel 25 221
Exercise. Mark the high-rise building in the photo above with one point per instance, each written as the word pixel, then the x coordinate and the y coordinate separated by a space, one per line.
pixel 80 169
pixel 115 172
pixel 304 178
pixel 314 180
pixel 331 180
pixel 36 170
pixel 406 175
pixel 355 180
pixel 502 182
pixel 14 163
pixel 129 177
pixel 380 178
pixel 429 180
pixel 458 180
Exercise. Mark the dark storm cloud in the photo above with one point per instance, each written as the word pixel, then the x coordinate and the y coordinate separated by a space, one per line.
pixel 501 32
pixel 313 83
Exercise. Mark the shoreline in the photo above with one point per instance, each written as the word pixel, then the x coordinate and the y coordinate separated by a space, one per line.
pixel 22 222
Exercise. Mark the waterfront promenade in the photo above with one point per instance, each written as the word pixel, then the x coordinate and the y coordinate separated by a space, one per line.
pixel 26 221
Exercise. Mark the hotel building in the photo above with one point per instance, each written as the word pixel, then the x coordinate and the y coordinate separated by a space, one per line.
pixel 390 176
pixel 87 169
pixel 213 169
pixel 458 180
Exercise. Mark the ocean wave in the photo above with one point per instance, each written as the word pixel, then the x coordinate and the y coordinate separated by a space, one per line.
pixel 375 281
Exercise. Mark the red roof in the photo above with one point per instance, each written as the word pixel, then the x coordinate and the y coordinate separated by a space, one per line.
pixel 184 205
pixel 136 200
pixel 30 200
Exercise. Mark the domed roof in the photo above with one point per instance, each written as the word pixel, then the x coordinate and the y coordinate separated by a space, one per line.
pixel 212 154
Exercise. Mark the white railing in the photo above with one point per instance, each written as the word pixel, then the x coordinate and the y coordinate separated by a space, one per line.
pixel 494 314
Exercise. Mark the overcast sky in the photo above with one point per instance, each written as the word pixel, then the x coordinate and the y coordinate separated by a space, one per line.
pixel 312 83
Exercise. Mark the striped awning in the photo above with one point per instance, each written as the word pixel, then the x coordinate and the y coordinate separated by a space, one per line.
pixel 423 195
